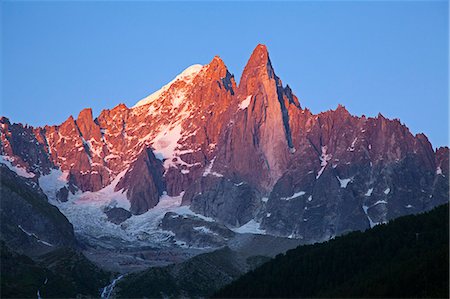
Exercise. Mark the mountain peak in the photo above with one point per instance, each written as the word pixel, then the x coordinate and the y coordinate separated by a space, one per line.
pixel 88 128
pixel 258 66
pixel 261 49
pixel 217 66
pixel 260 57
pixel 86 113
pixel 187 75
pixel 217 60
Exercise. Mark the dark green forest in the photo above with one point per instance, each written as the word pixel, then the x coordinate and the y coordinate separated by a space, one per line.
pixel 408 257
pixel 63 273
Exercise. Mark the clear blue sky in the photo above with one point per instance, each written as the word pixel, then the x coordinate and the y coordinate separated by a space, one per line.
pixel 388 57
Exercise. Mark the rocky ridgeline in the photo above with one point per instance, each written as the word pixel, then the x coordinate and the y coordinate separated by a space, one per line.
pixel 241 153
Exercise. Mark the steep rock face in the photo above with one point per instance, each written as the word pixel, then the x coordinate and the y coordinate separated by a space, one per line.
pixel 211 103
pixel 231 203
pixel 30 224
pixel 73 153
pixel 143 182
pixel 350 173
pixel 440 187
pixel 257 144
pixel 196 232
pixel 88 128
pixel 442 160
pixel 25 145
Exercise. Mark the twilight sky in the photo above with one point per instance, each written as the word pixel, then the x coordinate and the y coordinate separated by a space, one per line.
pixel 370 56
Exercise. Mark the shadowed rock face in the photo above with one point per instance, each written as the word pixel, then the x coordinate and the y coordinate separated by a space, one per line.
pixel 350 173
pixel 30 225
pixel 231 203
pixel 143 182
pixel 117 215
pixel 24 144
pixel 257 145
pixel 303 175
pixel 195 232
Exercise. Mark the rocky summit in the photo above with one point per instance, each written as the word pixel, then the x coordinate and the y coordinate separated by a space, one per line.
pixel 247 156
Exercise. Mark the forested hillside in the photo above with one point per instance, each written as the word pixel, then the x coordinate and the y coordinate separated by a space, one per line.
pixel 408 257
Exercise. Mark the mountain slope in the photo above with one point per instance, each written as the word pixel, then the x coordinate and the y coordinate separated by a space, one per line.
pixel 408 257
pixel 60 274
pixel 30 225
pixel 199 276
pixel 238 154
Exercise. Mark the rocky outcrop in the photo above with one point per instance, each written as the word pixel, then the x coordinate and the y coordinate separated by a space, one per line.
pixel 117 215
pixel 62 194
pixel 88 128
pixel 232 203
pixel 192 231
pixel 25 145
pixel 440 187
pixel 30 225
pixel 143 182
pixel 352 173
pixel 257 144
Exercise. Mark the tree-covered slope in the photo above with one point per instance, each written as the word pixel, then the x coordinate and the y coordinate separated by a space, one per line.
pixel 197 277
pixel 64 273
pixel 30 225
pixel 408 257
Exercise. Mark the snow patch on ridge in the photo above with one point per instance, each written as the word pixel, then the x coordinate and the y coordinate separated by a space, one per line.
pixel 344 182
pixel 187 75
pixel 295 195
pixel 251 227
pixel 209 168
pixel 20 171
pixel 366 208
pixel 53 182
pixel 204 230
pixel 245 103
pixel 371 223
pixel 352 146
pixel 324 158
pixel 165 143
pixel 369 192
pixel 34 236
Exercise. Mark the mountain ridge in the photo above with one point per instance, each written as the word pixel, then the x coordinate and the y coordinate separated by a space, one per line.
pixel 202 137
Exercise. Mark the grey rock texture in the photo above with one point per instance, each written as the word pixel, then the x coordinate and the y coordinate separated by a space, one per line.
pixel 117 215
pixel 192 231
pixel 232 203
pixel 143 182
